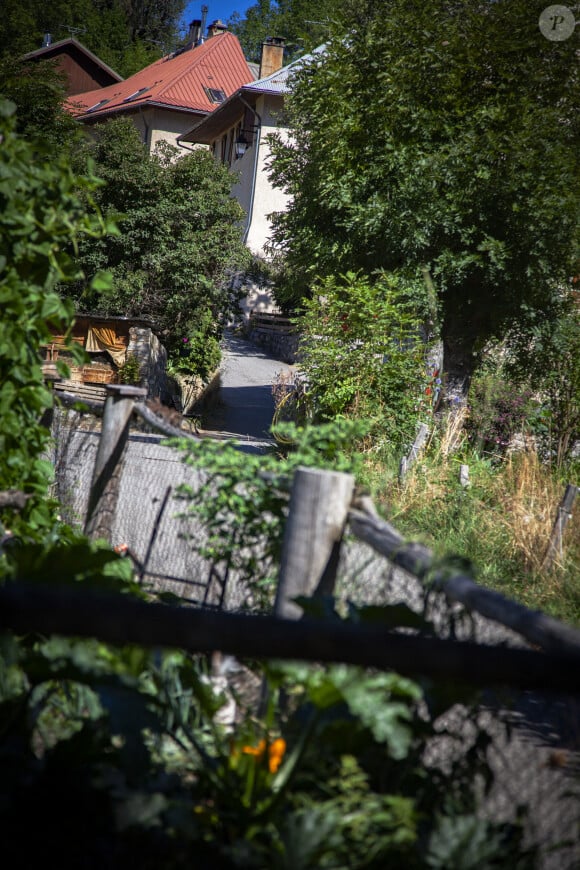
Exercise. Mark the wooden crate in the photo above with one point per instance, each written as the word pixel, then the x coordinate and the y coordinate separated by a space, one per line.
pixel 98 374
pixel 76 373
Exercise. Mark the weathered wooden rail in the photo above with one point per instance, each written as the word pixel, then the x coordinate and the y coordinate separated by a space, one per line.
pixel 270 322
pixel 120 620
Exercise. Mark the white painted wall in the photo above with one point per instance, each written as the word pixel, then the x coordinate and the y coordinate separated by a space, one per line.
pixel 267 199
pixel 165 126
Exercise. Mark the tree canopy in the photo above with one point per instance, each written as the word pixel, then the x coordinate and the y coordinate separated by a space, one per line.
pixel 179 238
pixel 126 34
pixel 444 138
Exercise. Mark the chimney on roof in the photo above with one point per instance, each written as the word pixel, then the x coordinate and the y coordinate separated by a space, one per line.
pixel 215 28
pixel 272 56
pixel 46 40
pixel 194 35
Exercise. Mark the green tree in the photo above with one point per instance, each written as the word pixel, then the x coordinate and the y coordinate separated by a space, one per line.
pixel 440 137
pixel 43 218
pixel 362 354
pixel 180 237
pixel 38 90
pixel 125 34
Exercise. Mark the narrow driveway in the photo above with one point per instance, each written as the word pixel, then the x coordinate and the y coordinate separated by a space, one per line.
pixel 247 406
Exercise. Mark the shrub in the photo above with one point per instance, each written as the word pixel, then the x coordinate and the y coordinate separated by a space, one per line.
pixel 130 371
pixel 197 352
pixel 362 354
pixel 498 410
pixel 43 217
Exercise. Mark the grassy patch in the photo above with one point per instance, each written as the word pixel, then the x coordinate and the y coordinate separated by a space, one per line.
pixel 501 521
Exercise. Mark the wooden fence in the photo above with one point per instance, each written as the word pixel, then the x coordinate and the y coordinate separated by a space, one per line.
pixel 322 505
pixel 270 322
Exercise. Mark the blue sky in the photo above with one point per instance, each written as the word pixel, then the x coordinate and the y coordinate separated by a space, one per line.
pixel 216 9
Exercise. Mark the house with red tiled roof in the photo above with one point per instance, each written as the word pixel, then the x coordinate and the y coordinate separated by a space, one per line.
pixel 83 70
pixel 166 98
pixel 237 133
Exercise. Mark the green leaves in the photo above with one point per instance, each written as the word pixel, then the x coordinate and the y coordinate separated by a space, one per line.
pixel 429 135
pixel 242 498
pixel 362 352
pixel 469 843
pixel 43 219
pixel 179 240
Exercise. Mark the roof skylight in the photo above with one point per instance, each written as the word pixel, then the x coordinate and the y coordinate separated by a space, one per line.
pixel 98 105
pixel 215 95
pixel 136 94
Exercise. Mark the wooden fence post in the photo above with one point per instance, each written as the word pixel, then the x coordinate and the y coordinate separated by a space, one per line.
pixel 413 454
pixel 563 515
pixel 108 463
pixel 319 504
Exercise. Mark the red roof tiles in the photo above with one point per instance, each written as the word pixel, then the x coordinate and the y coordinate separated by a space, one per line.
pixel 177 81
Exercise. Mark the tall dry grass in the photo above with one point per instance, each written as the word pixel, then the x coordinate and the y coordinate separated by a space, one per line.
pixel 531 497
pixel 502 521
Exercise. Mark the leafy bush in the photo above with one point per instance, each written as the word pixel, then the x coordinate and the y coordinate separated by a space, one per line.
pixel 130 371
pixel 498 410
pixel 198 352
pixel 180 237
pixel 362 354
pixel 122 747
pixel 549 364
pixel 43 220
pixel 242 499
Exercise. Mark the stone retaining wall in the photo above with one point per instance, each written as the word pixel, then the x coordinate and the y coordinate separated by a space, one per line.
pixel 282 346
pixel 152 356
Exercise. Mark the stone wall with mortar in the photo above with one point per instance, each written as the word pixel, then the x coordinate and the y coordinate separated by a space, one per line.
pixel 152 357
pixel 281 345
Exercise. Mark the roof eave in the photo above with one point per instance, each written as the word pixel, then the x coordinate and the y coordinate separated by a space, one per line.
pixel 85 116
pixel 222 118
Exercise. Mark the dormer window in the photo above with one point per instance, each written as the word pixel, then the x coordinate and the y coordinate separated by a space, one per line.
pixel 136 94
pixel 215 95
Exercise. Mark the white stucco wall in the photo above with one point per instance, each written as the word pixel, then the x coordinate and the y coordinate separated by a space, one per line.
pixel 267 199
pixel 159 125
pixel 165 126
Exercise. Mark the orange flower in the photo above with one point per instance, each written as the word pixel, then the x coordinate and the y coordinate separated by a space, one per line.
pixel 258 750
pixel 276 751
pixel 276 754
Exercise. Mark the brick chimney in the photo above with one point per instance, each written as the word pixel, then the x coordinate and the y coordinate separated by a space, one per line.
pixel 272 56
pixel 215 28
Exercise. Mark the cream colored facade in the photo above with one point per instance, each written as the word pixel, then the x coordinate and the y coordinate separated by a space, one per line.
pixel 156 125
pixel 254 191
pixel 163 125
pixel 252 114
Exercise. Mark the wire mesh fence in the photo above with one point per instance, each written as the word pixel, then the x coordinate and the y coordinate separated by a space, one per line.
pixel 532 738
pixel 147 525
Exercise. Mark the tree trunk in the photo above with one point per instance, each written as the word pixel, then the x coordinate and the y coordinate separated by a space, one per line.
pixel 458 365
